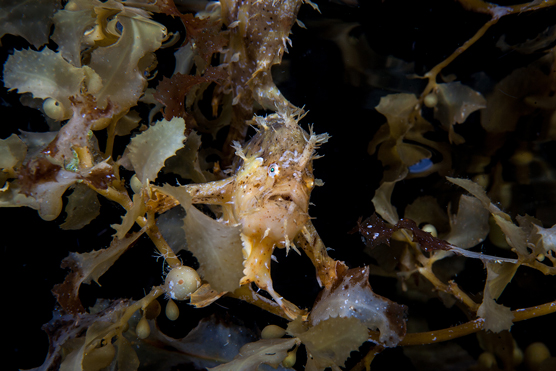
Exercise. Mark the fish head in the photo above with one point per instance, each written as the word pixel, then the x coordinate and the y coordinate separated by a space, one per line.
pixel 274 180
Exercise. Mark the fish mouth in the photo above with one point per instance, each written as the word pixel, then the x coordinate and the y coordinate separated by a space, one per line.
pixel 281 197
pixel 287 198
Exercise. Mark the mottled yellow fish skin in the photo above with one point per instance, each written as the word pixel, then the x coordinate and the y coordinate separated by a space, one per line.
pixel 212 193
pixel 268 195
pixel 272 188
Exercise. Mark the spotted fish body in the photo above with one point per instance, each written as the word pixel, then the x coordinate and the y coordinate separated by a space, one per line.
pixel 268 195
pixel 274 182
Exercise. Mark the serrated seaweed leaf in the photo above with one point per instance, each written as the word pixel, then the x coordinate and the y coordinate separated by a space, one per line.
pixel 351 296
pixel 396 108
pixel 548 238
pixel 118 64
pixel 516 236
pixel 83 206
pixel 88 267
pixel 46 74
pixel 330 342
pixel 186 162
pixel 217 246
pixel 401 143
pixel 12 154
pixel 382 203
pixel 128 220
pixel 69 335
pixel 30 19
pixel 469 226
pixel 149 150
pixel 497 317
pixel 455 103
pixel 69 30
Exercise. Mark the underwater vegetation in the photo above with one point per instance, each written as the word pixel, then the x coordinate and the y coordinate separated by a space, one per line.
pixel 262 184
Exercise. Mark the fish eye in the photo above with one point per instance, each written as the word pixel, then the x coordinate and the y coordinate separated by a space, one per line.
pixel 273 170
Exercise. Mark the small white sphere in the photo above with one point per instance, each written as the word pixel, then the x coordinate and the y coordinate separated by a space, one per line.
pixel 535 354
pixel 518 356
pixel 487 360
pixel 431 100
pixel 429 228
pixel 181 282
pixel 135 184
pixel 273 332
pixel 172 310
pixel 482 179
pixel 53 109
pixel 143 329
pixel 290 359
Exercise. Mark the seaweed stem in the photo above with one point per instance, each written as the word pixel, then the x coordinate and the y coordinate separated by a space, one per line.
pixel 431 75
pixel 160 243
pixel 112 194
pixel 117 328
pixel 422 338
pixel 452 288
pixel 246 294
pixel 111 134
pixel 479 6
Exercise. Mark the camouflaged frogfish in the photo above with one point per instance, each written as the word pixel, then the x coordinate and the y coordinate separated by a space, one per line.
pixel 268 195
